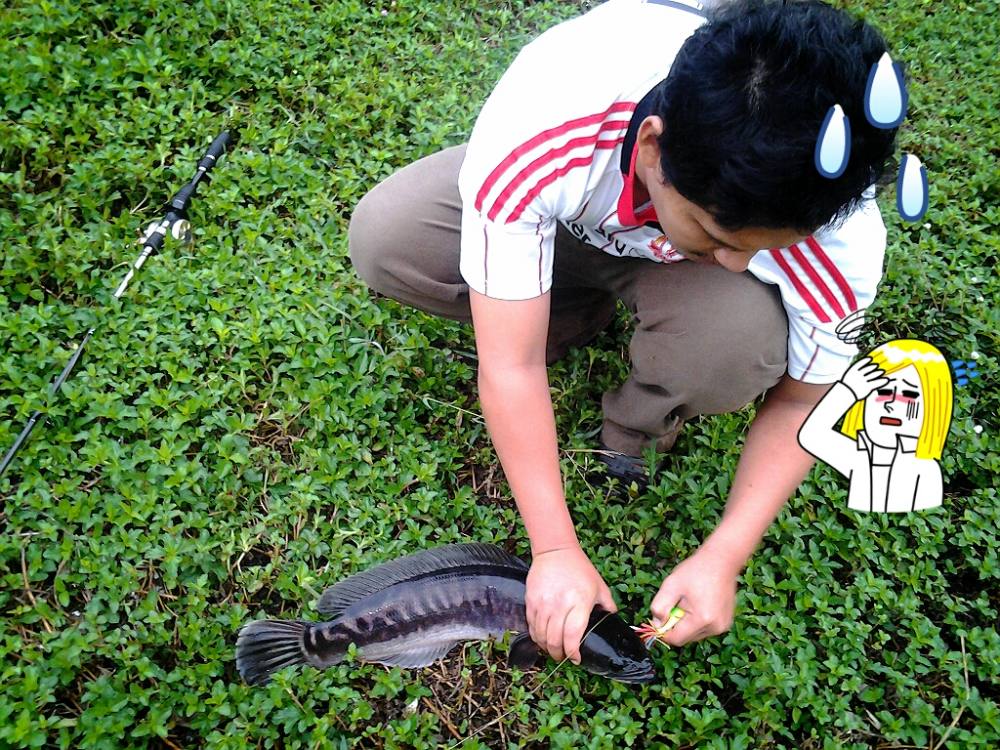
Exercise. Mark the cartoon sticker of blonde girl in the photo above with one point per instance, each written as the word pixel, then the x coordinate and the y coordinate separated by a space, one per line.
pixel 897 401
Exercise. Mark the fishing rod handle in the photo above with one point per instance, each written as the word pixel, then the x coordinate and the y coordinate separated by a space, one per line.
pixel 179 202
pixel 217 149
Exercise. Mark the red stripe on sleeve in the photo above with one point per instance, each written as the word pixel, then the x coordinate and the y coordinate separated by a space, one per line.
pixel 547 157
pixel 816 279
pixel 811 360
pixel 556 174
pixel 799 286
pixel 831 269
pixel 486 253
pixel 541 244
pixel 539 139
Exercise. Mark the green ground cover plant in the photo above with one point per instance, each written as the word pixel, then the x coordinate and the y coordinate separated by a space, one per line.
pixel 248 425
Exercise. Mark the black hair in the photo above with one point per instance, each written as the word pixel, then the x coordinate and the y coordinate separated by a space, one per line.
pixel 743 106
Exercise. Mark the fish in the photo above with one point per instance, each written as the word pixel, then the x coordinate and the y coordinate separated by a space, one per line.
pixel 412 611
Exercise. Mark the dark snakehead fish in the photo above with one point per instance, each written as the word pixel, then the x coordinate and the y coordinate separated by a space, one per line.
pixel 410 612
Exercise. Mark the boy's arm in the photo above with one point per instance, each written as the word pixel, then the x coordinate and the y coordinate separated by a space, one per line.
pixel 773 464
pixel 562 585
pixel 514 392
pixel 770 469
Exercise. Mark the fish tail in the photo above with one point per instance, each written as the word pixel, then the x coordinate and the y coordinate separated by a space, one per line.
pixel 265 646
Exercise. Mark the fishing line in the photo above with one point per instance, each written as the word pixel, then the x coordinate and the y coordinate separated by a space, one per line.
pixel 531 693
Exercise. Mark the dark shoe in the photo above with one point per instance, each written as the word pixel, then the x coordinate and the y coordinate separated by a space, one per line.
pixel 626 468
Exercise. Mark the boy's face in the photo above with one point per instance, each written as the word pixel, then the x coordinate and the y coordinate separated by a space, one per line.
pixel 691 229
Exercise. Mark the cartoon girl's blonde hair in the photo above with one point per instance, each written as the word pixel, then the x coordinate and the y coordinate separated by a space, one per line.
pixel 935 379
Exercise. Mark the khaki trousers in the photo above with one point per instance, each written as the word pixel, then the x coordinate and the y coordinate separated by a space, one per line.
pixel 706 340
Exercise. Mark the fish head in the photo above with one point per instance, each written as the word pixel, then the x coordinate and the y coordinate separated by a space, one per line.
pixel 612 649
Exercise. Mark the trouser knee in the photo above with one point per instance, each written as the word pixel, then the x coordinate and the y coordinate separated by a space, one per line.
pixel 712 359
pixel 728 383
pixel 365 245
pixel 738 367
pixel 404 236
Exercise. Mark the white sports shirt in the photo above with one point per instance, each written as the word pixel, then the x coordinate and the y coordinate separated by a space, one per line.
pixel 552 144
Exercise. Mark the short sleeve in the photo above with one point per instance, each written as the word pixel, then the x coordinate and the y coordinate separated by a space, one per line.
pixel 540 144
pixel 831 275
pixel 507 261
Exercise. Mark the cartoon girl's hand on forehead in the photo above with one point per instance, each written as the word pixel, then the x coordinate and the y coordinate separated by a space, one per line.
pixel 863 377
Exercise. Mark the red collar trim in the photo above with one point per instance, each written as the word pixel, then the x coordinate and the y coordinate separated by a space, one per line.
pixel 626 201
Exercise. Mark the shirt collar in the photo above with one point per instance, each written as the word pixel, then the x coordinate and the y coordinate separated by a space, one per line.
pixel 904 443
pixel 626 211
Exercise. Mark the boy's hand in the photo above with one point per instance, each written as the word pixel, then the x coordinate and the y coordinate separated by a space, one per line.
pixel 704 586
pixel 562 588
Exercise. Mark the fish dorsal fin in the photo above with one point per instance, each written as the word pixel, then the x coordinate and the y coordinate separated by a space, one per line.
pixel 345 593
pixel 420 657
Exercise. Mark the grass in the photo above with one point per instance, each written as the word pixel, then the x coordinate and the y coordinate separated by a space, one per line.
pixel 248 425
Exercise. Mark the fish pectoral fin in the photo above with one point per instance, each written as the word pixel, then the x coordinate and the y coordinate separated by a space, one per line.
pixel 415 657
pixel 524 652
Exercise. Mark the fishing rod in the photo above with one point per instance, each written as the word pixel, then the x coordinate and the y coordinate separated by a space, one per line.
pixel 175 222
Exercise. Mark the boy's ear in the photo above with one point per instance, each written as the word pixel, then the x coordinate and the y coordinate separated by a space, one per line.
pixel 648 157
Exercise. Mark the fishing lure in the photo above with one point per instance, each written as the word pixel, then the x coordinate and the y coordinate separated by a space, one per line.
pixel 650 633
